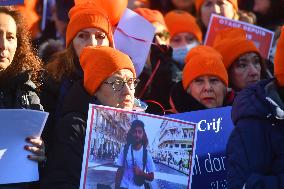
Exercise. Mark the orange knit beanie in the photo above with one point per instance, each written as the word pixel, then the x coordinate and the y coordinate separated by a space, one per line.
pixel 113 8
pixel 151 15
pixel 232 43
pixel 87 16
pixel 99 63
pixel 198 4
pixel 203 60
pixel 179 21
pixel 279 59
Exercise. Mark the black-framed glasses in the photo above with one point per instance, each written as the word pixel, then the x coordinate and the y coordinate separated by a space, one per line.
pixel 118 84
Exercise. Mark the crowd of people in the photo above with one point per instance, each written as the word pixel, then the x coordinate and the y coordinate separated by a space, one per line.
pixel 72 61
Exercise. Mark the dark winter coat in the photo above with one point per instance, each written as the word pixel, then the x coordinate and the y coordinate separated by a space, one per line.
pixel 255 148
pixel 52 97
pixel 19 93
pixel 181 101
pixel 64 162
pixel 167 73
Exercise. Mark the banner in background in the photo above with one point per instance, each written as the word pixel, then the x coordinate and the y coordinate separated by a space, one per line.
pixel 214 128
pixel 261 37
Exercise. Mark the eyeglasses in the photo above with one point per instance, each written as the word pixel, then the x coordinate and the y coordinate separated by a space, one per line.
pixel 118 84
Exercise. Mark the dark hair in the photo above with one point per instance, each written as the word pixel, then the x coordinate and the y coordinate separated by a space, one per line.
pixel 25 59
pixel 264 73
pixel 62 63
pixel 129 137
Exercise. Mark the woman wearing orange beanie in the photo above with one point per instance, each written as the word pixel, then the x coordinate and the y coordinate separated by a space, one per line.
pixel 184 33
pixel 110 80
pixel 254 149
pixel 204 9
pixel 204 82
pixel 244 63
pixel 88 26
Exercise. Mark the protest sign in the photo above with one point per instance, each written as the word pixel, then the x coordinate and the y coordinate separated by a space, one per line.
pixel 15 126
pixel 214 128
pixel 171 143
pixel 11 2
pixel 133 36
pixel 261 37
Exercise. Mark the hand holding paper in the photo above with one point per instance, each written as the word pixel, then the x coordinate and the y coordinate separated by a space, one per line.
pixel 37 148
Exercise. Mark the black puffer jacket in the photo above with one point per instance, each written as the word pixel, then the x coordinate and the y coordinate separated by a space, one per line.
pixel 19 92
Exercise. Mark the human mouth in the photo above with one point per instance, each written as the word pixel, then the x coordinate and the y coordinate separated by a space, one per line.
pixel 2 57
pixel 208 100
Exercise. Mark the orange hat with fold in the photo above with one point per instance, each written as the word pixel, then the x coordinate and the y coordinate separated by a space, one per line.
pixel 113 8
pixel 87 15
pixel 179 21
pixel 99 63
pixel 203 60
pixel 151 15
pixel 198 4
pixel 232 43
pixel 279 59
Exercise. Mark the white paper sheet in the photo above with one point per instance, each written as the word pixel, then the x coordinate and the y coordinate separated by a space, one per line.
pixel 15 126
pixel 133 36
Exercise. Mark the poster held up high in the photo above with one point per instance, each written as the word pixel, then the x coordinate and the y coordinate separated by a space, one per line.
pixel 261 37
pixel 171 143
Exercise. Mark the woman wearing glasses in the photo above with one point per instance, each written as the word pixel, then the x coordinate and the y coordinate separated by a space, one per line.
pixel 88 26
pixel 110 80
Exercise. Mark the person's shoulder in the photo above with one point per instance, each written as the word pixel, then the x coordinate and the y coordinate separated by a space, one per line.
pixel 251 102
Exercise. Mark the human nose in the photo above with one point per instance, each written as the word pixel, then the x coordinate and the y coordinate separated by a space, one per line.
pixel 3 43
pixel 93 41
pixel 207 86
pixel 253 69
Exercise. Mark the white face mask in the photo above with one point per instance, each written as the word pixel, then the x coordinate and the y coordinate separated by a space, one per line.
pixel 180 53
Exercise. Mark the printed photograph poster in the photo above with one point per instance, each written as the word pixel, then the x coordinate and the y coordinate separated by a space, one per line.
pixel 171 144
pixel 11 2
pixel 261 37
pixel 210 162
pixel 15 126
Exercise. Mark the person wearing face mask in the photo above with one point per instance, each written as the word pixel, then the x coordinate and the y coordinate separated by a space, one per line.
pixel 185 34
pixel 180 26
pixel 113 84
pixel 204 82
pixel 242 59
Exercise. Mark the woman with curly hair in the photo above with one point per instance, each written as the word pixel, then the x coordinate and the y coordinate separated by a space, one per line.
pixel 20 71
